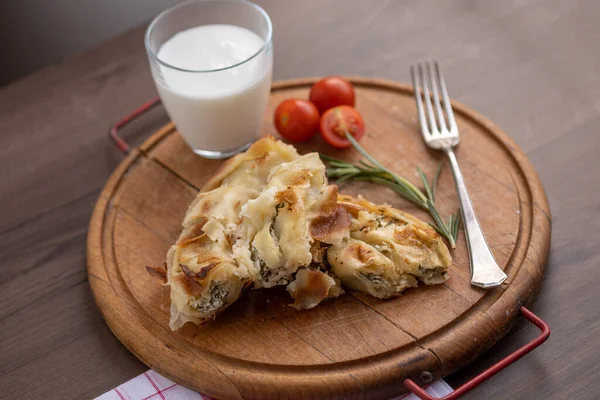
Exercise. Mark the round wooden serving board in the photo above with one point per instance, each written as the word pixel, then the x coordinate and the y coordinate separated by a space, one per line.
pixel 355 346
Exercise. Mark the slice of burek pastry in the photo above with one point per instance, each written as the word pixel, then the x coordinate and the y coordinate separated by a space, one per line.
pixel 255 223
pixel 202 271
pixel 203 279
pixel 388 250
pixel 277 229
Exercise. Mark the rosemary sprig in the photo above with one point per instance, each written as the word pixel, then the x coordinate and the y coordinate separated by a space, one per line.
pixel 373 171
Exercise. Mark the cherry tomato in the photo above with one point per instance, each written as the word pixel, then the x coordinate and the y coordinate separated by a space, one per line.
pixel 331 92
pixel 339 120
pixel 297 120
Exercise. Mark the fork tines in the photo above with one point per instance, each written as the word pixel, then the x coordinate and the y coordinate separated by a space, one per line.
pixel 444 124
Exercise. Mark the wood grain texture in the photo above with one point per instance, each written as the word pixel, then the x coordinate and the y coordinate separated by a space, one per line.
pixel 256 348
pixel 529 66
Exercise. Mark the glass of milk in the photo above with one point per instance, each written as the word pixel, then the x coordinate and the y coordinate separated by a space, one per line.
pixel 212 62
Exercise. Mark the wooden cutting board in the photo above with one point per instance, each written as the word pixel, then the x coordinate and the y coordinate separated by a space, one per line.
pixel 355 346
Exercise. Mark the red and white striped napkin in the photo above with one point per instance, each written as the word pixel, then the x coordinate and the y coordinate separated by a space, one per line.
pixel 152 386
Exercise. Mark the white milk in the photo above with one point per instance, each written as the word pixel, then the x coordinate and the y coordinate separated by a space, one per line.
pixel 216 111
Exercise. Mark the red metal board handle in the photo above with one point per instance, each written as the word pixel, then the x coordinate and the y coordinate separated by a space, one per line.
pixel 114 131
pixel 494 369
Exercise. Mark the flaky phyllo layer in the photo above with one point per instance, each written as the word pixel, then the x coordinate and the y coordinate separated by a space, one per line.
pixel 269 218
pixel 388 250
pixel 256 223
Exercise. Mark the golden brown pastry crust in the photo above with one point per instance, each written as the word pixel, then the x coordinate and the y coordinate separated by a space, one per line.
pixel 388 250
pixel 255 223
pixel 312 286
pixel 269 217
pixel 257 153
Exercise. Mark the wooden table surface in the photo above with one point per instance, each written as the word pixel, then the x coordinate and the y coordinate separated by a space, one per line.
pixel 531 66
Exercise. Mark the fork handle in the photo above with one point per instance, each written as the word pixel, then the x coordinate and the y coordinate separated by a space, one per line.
pixel 485 271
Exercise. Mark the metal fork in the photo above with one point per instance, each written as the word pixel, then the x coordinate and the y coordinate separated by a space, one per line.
pixel 442 134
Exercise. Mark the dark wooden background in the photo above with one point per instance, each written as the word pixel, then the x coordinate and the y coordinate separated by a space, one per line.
pixel 37 33
pixel 532 66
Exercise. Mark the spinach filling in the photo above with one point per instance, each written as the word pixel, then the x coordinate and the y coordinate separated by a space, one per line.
pixel 375 279
pixel 269 276
pixel 432 272
pixel 218 298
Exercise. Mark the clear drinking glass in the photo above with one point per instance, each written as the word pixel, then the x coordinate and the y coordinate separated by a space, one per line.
pixel 217 109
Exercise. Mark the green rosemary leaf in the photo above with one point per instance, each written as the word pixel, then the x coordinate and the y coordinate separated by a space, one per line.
pixel 340 164
pixel 443 229
pixel 328 158
pixel 372 159
pixel 456 225
pixel 438 220
pixel 404 192
pixel 366 165
pixel 362 151
pixel 344 179
pixel 425 184
pixel 437 229
pixel 435 182
pixel 450 223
